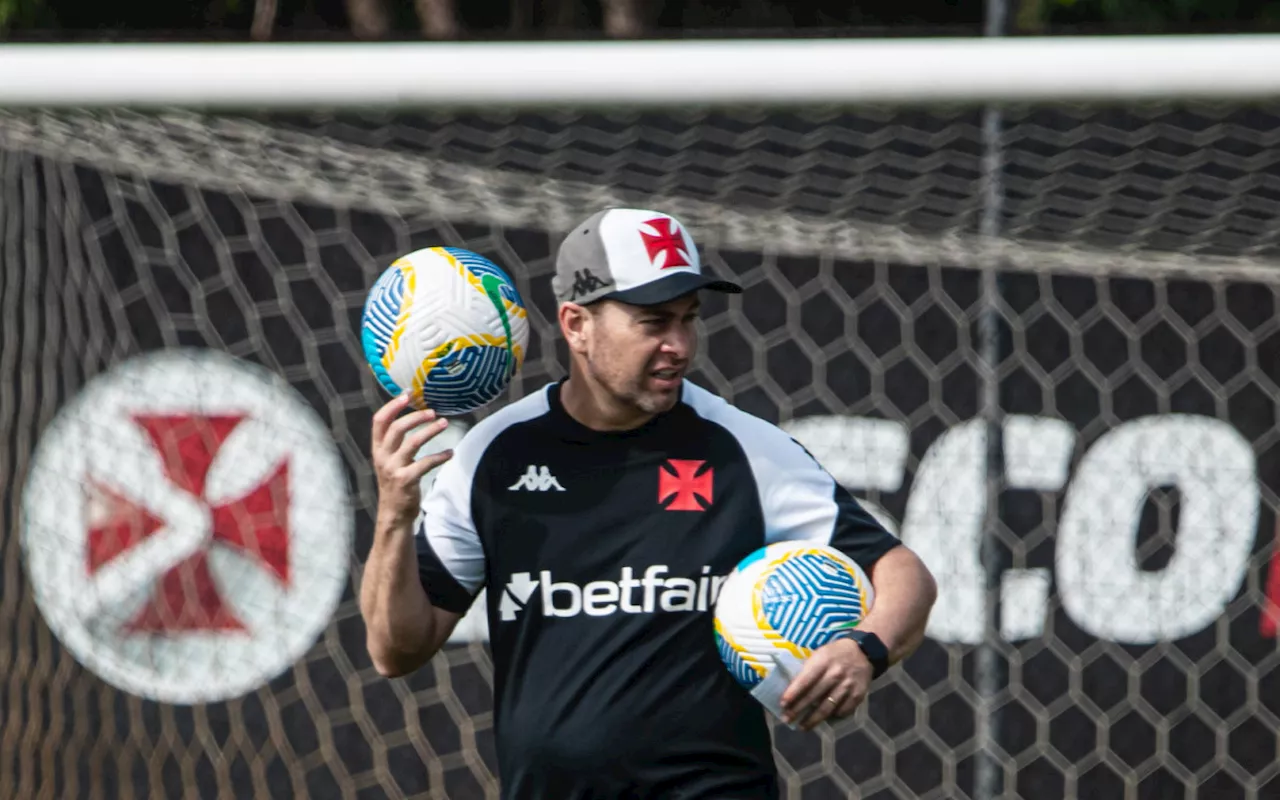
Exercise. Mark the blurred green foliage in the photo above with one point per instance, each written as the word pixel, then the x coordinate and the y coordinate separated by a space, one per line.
pixel 23 14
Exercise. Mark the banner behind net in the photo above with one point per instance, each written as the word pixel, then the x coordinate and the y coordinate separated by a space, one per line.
pixel 1131 417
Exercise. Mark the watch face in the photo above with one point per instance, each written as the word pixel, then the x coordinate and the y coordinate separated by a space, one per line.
pixel 873 649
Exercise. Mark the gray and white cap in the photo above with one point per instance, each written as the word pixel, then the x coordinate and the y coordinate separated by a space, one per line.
pixel 631 255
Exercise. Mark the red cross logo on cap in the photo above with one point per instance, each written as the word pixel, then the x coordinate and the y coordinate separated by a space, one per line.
pixel 666 247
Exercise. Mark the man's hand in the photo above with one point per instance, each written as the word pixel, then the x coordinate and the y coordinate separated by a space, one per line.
pixel 834 680
pixel 394 446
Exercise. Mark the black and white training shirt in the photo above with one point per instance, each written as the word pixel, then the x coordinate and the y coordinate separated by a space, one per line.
pixel 603 553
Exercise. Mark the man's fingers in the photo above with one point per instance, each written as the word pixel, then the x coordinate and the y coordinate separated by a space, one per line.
pixel 422 466
pixel 817 715
pixel 397 430
pixel 414 440
pixel 416 468
pixel 807 687
pixel 839 702
pixel 810 671
pixel 852 699
pixel 816 694
pixel 383 416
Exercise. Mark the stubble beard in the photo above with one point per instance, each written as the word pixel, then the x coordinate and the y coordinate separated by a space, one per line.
pixel 631 391
pixel 655 403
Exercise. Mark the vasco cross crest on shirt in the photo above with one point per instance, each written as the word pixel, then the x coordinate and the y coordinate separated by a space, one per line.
pixel 686 483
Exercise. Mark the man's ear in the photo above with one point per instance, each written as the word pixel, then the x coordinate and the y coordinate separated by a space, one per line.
pixel 575 324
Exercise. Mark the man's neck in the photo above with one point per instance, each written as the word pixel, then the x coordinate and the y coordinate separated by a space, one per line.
pixel 592 406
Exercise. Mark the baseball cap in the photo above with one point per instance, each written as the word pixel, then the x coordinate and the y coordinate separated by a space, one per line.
pixel 632 255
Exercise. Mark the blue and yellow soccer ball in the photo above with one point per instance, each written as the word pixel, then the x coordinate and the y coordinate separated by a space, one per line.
pixel 447 325
pixel 791 597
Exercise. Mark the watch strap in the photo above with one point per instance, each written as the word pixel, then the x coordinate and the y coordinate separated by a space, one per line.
pixel 873 649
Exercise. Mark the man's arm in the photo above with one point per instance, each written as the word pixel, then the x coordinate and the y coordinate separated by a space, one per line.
pixel 403 630
pixel 905 592
pixel 801 501
pixel 409 598
pixel 808 503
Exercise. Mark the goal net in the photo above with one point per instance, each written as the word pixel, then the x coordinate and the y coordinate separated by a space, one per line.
pixel 1043 345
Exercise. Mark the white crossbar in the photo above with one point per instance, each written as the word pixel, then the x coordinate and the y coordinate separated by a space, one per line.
pixel 915 71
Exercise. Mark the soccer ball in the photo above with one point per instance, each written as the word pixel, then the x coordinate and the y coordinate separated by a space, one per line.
pixel 448 325
pixel 791 597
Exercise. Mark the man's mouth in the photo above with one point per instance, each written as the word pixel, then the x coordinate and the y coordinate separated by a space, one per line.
pixel 666 376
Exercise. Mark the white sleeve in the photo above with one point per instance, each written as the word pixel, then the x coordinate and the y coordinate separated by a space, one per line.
pixel 803 501
pixel 450 556
pixel 800 500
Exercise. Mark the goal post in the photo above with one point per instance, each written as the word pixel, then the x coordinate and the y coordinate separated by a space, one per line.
pixel 1021 296
pixel 770 73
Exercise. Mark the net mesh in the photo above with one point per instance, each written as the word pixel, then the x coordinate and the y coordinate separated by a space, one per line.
pixel 1132 400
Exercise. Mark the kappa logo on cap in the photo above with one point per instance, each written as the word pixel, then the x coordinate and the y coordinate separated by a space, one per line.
pixel 665 245
pixel 584 282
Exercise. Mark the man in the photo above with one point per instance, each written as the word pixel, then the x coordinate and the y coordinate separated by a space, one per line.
pixel 583 507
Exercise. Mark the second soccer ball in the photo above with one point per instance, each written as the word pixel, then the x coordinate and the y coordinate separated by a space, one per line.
pixel 788 597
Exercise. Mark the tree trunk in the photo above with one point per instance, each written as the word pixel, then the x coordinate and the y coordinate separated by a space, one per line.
pixel 622 19
pixel 438 18
pixel 368 19
pixel 1030 17
pixel 264 19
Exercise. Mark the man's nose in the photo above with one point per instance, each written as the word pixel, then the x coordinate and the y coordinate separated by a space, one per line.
pixel 679 341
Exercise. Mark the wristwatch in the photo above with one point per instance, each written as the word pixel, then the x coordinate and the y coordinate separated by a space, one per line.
pixel 873 649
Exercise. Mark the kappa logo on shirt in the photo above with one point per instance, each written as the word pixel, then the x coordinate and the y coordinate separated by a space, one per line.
pixel 536 479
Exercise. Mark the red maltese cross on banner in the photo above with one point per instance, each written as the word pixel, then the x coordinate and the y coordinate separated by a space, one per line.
pixel 186 597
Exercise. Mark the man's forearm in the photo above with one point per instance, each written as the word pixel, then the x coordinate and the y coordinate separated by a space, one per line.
pixel 904 595
pixel 397 614
pixel 836 678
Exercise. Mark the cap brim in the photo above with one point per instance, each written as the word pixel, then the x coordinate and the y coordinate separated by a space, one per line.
pixel 670 287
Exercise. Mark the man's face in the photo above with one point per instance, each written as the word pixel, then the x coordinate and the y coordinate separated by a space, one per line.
pixel 640 354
